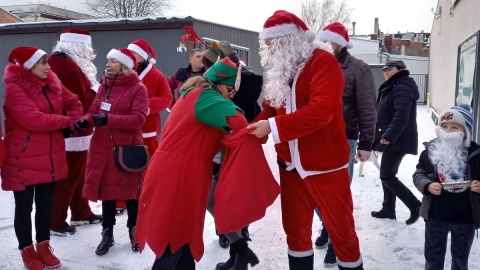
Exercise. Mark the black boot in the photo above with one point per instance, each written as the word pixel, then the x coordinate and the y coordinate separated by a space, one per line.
pixel 414 215
pixel 229 263
pixel 360 267
pixel 300 263
pixel 243 255
pixel 107 241
pixel 131 235
pixel 245 234
pixel 322 240
pixel 384 214
pixel 223 241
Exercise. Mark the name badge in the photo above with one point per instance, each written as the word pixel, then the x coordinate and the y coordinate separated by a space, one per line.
pixel 105 106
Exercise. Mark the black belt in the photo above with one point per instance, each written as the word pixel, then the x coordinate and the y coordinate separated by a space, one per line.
pixel 283 165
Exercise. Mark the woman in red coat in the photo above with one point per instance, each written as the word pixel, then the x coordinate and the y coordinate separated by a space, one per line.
pixel 35 148
pixel 118 113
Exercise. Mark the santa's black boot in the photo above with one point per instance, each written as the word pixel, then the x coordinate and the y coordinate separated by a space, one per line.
pixel 229 263
pixel 243 255
pixel 300 263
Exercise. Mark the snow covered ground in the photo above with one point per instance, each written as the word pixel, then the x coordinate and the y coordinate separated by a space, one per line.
pixel 385 244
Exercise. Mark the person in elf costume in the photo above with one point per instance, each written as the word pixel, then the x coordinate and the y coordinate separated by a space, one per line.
pixel 178 180
pixel 303 86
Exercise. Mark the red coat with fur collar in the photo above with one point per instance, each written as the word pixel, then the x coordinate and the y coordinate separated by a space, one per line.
pixel 35 148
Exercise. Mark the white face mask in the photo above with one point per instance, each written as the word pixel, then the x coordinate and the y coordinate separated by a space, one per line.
pixel 453 139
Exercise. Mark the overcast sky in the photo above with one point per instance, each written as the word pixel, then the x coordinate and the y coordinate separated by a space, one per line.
pixel 394 16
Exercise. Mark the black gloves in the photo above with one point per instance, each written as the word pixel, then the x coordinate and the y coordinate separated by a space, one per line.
pixel 99 119
pixel 81 124
pixel 67 132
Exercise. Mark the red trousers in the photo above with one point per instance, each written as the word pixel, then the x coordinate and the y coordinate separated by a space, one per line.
pixel 68 193
pixel 152 144
pixel 331 193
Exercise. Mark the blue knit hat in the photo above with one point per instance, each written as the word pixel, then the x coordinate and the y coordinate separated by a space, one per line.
pixel 461 115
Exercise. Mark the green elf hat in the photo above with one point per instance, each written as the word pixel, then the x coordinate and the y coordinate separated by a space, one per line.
pixel 224 71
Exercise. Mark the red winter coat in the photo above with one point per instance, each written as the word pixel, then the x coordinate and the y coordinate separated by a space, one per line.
pixel 35 149
pixel 159 98
pixel 129 104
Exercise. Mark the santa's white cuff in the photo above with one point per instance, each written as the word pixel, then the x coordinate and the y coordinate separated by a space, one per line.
pixel 274 130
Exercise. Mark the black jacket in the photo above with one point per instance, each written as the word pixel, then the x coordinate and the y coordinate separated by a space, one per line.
pixel 359 100
pixel 426 174
pixel 249 93
pixel 397 115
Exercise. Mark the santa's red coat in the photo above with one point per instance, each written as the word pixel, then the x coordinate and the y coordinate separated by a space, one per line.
pixel 159 98
pixel 73 78
pixel 313 129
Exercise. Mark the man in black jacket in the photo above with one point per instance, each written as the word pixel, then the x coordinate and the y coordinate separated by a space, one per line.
pixel 396 135
pixel 359 108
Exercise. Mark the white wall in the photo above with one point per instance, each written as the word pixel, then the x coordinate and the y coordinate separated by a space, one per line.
pixel 448 31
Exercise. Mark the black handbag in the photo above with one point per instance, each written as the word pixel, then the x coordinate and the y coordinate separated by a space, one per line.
pixel 131 158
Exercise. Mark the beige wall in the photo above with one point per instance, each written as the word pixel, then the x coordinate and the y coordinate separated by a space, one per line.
pixel 448 31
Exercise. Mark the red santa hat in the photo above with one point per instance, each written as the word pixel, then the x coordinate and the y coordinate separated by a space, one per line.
pixel 124 56
pixel 283 23
pixel 143 48
pixel 76 35
pixel 337 33
pixel 26 56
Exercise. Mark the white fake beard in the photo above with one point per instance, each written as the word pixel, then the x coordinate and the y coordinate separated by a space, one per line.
pixel 83 55
pixel 449 154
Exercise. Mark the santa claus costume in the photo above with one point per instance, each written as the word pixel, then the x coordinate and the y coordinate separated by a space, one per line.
pixel 178 180
pixel 159 94
pixel 72 60
pixel 303 111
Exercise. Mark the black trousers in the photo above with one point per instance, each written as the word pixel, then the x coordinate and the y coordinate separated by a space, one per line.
pixel 392 187
pixel 436 234
pixel 108 213
pixel 43 195
pixel 181 259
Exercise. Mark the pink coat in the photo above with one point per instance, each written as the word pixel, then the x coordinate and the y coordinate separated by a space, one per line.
pixel 129 104
pixel 35 148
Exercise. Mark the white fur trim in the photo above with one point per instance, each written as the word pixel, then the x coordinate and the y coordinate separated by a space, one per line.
pixel 152 61
pixel 351 264
pixel 122 58
pixel 274 130
pixel 279 31
pixel 149 134
pixel 300 254
pixel 33 59
pixel 95 87
pixel 77 144
pixel 350 44
pixel 145 71
pixel 137 49
pixel 331 36
pixel 72 37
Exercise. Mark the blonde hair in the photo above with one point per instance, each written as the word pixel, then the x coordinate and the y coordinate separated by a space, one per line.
pixel 196 81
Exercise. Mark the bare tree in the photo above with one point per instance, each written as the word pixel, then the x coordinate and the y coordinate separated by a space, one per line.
pixel 126 8
pixel 317 14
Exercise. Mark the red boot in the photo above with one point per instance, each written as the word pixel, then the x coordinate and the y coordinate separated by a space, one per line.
pixel 44 251
pixel 30 259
